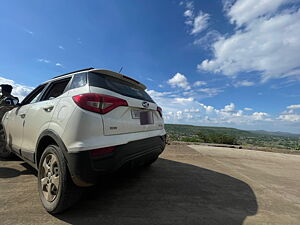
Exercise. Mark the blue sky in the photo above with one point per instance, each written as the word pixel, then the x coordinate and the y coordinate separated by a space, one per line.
pixel 217 63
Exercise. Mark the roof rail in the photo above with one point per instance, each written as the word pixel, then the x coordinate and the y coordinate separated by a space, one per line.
pixel 74 72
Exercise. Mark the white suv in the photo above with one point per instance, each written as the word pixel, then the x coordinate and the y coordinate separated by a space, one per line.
pixel 78 126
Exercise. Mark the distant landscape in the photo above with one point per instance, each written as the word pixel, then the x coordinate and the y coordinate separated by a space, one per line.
pixel 232 136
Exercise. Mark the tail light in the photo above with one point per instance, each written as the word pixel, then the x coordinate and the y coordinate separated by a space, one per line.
pixel 159 111
pixel 102 151
pixel 98 103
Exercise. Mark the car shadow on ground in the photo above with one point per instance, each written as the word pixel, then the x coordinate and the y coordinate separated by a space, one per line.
pixel 6 172
pixel 168 192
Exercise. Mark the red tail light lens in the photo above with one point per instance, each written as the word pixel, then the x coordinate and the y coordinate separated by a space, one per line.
pixel 102 151
pixel 160 111
pixel 98 103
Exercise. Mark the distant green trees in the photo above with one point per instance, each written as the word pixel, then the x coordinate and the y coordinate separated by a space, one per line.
pixel 217 138
pixel 224 135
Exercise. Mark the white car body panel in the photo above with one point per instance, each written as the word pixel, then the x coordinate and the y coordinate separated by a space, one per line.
pixel 120 121
pixel 36 121
pixel 14 127
pixel 79 129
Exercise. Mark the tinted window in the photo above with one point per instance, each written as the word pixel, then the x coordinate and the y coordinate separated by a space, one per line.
pixel 119 86
pixel 79 80
pixel 56 89
pixel 34 96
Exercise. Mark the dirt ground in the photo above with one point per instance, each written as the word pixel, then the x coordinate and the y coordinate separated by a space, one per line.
pixel 187 185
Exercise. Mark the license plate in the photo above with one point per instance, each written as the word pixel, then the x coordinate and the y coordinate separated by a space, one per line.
pixel 135 113
pixel 146 117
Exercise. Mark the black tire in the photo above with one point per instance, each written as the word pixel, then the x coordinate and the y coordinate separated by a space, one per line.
pixel 66 192
pixel 4 152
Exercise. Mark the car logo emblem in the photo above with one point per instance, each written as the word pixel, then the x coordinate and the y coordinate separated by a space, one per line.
pixel 145 104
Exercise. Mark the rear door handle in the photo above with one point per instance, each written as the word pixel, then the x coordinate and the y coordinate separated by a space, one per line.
pixel 49 109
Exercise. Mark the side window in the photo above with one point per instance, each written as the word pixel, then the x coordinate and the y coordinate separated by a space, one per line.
pixel 79 80
pixel 56 89
pixel 35 99
pixel 34 96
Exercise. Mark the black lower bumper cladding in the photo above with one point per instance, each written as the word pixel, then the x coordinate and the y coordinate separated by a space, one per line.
pixel 85 169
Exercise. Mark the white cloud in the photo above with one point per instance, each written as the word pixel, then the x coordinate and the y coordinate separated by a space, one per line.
pixel 244 83
pixel 179 80
pixel 48 61
pixel 197 23
pixel 200 22
pixel 290 117
pixel 227 4
pixel 209 38
pixel 245 11
pixel 229 108
pixel 259 115
pixel 189 5
pixel 19 90
pixel 192 110
pixel 211 92
pixel 294 106
pixel 188 13
pixel 61 47
pixel 267 43
pixel 28 31
pixel 207 108
pixel 189 110
pixel 199 83
pixel 156 93
pixel 59 64
pixel 44 60
pixel 184 100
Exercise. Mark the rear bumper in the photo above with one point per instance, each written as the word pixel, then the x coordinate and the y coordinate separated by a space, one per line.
pixel 86 169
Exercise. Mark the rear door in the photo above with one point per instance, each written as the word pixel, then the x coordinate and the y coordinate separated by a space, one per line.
pixel 40 114
pixel 140 115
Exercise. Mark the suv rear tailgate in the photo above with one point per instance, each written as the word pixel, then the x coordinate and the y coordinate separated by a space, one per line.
pixel 140 115
pixel 132 119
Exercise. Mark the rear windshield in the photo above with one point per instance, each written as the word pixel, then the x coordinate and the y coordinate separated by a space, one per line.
pixel 119 86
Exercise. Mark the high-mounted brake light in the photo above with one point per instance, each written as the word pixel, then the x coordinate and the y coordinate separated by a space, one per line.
pixel 98 103
pixel 159 111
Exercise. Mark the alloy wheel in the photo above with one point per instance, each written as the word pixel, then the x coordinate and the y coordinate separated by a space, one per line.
pixel 50 180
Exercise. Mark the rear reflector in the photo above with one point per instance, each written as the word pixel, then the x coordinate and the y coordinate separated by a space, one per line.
pixel 98 103
pixel 102 151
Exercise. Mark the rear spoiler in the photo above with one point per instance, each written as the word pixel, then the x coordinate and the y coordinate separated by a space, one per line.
pixel 119 76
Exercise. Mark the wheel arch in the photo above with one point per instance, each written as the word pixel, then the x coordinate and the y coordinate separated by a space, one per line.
pixel 46 138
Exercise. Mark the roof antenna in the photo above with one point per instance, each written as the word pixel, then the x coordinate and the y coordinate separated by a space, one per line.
pixel 121 69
